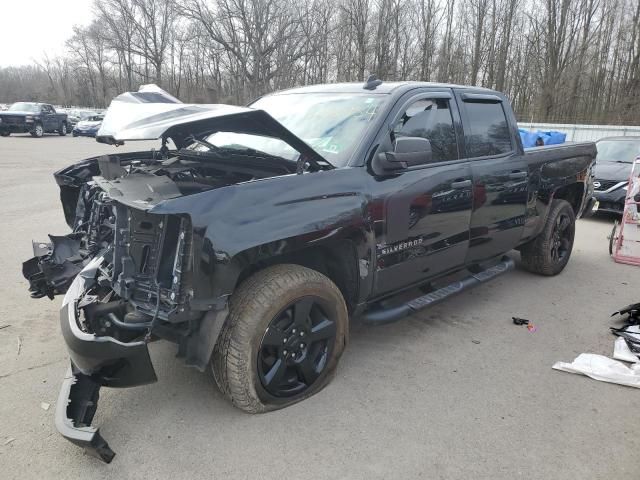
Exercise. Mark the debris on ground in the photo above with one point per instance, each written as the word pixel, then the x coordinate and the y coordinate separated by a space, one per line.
pixel 603 369
pixel 630 334
pixel 633 312
pixel 9 440
pixel 5 326
pixel 621 351
pixel 626 348
pixel 19 344
pixel 523 321
pixel 45 406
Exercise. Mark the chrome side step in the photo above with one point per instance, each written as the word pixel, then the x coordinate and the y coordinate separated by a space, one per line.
pixel 381 315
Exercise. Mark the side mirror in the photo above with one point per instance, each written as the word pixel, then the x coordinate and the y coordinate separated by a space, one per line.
pixel 407 152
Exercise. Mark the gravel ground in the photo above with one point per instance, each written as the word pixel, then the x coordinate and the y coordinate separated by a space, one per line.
pixel 455 392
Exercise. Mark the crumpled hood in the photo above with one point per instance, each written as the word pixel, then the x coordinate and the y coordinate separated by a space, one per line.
pixel 151 113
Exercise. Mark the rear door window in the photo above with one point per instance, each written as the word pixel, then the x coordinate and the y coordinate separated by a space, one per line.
pixel 487 132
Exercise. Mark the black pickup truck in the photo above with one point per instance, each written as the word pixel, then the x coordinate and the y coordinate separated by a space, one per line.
pixel 34 118
pixel 253 243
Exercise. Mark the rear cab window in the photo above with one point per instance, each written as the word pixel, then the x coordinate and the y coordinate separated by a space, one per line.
pixel 486 130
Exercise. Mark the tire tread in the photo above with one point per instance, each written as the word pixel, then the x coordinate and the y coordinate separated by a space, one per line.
pixel 536 255
pixel 254 296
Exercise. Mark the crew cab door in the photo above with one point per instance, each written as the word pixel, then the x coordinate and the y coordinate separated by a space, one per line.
pixel 49 120
pixel 422 213
pixel 500 174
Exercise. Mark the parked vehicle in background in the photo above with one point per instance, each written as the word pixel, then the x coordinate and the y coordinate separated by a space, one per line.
pixel 78 115
pixel 88 127
pixel 253 243
pixel 34 118
pixel 613 164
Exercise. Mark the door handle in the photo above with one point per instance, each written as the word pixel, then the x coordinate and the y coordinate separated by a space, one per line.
pixel 517 175
pixel 458 184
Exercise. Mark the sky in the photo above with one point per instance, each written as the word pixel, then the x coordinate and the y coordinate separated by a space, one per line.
pixel 28 28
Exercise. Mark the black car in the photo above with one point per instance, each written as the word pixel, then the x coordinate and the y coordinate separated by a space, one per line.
pixel 613 167
pixel 255 242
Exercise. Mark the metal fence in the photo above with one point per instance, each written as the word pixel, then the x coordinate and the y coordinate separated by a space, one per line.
pixel 579 133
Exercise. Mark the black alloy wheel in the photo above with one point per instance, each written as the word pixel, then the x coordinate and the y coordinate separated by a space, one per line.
pixel 549 252
pixel 296 347
pixel 286 330
pixel 562 238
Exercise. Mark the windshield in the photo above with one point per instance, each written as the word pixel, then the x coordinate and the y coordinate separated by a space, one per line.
pixel 620 151
pixel 244 142
pixel 24 107
pixel 331 123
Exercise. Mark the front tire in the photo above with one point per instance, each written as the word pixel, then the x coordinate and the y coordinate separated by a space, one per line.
pixel 550 251
pixel 38 131
pixel 5 134
pixel 287 328
pixel 62 131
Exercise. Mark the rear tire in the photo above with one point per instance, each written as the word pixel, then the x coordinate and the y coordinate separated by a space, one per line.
pixel 5 134
pixel 549 252
pixel 273 351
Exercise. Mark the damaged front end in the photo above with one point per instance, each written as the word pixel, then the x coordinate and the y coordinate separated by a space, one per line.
pixel 131 272
pixel 101 355
pixel 124 273
pixel 54 266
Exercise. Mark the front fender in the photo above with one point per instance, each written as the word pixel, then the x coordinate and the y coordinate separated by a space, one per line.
pixel 238 225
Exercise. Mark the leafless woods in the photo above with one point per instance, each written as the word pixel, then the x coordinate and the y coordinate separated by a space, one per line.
pixel 558 60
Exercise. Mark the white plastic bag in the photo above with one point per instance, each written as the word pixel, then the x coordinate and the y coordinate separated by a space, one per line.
pixel 603 369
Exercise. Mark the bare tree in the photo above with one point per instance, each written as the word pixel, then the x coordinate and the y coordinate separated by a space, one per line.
pixel 558 60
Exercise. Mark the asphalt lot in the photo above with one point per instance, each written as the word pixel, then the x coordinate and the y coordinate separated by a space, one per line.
pixel 456 392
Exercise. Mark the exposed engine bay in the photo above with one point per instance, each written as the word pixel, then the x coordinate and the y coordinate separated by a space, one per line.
pixel 144 277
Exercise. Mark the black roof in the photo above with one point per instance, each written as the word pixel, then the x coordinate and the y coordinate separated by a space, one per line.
pixel 384 88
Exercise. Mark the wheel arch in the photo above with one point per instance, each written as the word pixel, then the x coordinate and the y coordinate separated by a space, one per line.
pixel 336 259
pixel 572 193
